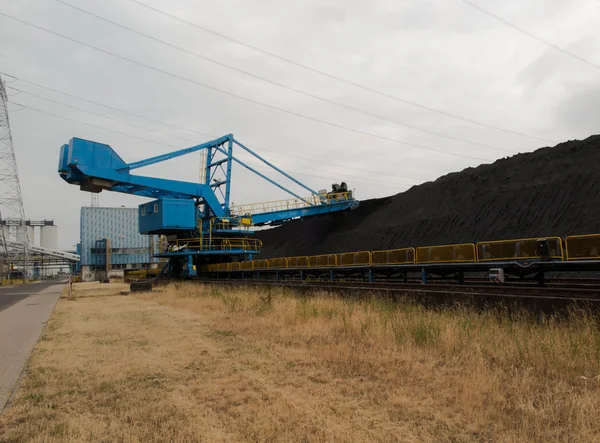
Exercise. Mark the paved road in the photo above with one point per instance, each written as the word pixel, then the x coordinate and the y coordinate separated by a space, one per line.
pixel 24 311
pixel 9 295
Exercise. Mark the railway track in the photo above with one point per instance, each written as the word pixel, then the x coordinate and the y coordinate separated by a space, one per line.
pixel 539 297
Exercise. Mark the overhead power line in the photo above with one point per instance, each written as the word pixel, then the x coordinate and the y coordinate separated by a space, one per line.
pixel 312 160
pixel 281 85
pixel 340 79
pixel 31 108
pixel 231 94
pixel 93 126
pixel 66 94
pixel 100 115
pixel 530 35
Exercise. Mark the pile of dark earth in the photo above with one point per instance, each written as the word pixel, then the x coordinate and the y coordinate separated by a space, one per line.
pixel 552 191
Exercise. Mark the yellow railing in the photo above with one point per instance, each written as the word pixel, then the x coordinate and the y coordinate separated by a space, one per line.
pixel 262 264
pixel 217 225
pixel 575 247
pixel 281 262
pixel 583 247
pixel 362 258
pixel 247 265
pixel 317 261
pixel 446 254
pixel 297 262
pixel 394 256
pixel 295 203
pixel 519 249
pixel 215 244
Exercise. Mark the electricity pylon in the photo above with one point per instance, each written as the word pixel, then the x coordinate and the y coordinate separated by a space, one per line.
pixel 13 232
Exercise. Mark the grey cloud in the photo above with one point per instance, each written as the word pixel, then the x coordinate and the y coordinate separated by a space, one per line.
pixel 442 54
pixel 579 110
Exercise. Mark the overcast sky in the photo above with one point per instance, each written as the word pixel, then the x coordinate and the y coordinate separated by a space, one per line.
pixel 440 54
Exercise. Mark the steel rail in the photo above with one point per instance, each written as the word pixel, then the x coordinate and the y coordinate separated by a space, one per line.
pixel 533 292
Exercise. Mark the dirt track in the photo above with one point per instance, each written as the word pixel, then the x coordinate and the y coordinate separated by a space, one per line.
pixel 552 191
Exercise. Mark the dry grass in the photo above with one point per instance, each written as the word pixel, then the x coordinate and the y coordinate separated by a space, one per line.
pixel 216 364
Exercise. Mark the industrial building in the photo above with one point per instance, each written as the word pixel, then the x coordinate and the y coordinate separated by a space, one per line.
pixel 41 258
pixel 29 231
pixel 110 243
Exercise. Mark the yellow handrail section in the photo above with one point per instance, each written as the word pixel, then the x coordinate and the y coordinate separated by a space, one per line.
pixel 277 263
pixel 215 244
pixel 362 258
pixel 520 249
pixel 583 247
pixel 325 260
pixel 447 253
pixel 394 256
pixel 247 265
pixel 262 264
pixel 574 247
pixel 294 203
pixel 297 262
pixel 218 225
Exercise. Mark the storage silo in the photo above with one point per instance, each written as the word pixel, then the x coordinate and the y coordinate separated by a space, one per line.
pixel 25 234
pixel 49 237
pixel 6 231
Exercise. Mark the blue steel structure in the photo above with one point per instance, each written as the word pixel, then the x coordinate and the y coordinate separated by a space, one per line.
pixel 197 219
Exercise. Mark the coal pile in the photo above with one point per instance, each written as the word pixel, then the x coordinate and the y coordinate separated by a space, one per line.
pixel 552 191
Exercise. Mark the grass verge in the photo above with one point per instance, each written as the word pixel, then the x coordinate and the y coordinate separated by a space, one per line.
pixel 204 363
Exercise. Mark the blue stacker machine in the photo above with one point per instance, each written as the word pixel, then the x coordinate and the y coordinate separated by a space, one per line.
pixel 196 219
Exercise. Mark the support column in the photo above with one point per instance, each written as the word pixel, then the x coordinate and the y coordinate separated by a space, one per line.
pixel 190 266
pixel 541 279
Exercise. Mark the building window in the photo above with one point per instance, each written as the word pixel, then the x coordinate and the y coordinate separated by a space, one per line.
pixel 155 208
pixel 143 211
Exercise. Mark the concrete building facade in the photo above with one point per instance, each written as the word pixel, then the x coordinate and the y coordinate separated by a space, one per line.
pixel 111 235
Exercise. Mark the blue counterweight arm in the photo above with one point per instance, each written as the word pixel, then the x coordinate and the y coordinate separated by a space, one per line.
pixel 96 167
pixel 153 187
pixel 171 155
